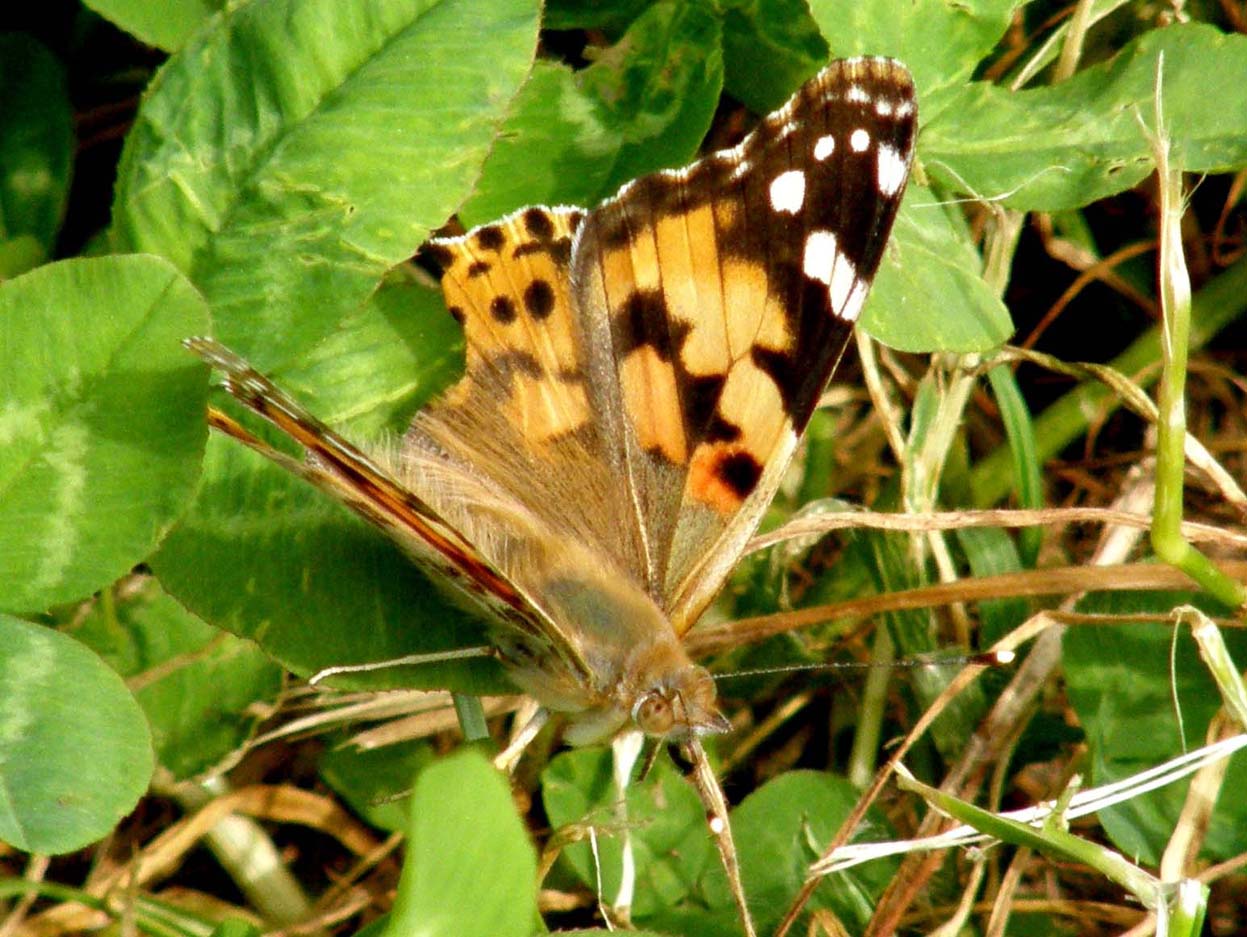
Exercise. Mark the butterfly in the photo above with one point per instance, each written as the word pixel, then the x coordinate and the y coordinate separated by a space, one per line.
pixel 637 380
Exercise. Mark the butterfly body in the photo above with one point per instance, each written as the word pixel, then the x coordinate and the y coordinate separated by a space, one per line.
pixel 637 379
pixel 636 670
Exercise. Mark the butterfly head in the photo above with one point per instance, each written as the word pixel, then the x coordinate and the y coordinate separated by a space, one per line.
pixel 681 705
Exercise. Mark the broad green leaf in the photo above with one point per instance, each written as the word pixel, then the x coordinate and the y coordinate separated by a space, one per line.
pixel 942 41
pixel 659 86
pixel 1123 685
pixel 555 149
pixel 166 25
pixel 370 781
pixel 1064 146
pixel 286 191
pixel 575 137
pixel 197 686
pixel 101 426
pixel 769 48
pixel 19 254
pixel 669 836
pixel 381 363
pixel 780 829
pixel 470 870
pixel 929 294
pixel 36 149
pixel 264 555
pixel 609 16
pixel 75 754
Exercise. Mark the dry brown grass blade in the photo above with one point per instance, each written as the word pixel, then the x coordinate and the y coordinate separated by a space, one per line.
pixel 1057 581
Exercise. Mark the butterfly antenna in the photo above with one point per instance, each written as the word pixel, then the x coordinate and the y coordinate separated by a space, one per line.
pixel 987 659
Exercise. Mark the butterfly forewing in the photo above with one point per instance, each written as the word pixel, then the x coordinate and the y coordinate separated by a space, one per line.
pixel 719 299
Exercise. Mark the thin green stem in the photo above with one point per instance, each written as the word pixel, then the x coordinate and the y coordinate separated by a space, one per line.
pixel 1175 295
pixel 1220 302
pixel 471 717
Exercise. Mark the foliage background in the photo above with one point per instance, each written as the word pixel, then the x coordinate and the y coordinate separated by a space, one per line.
pixel 263 171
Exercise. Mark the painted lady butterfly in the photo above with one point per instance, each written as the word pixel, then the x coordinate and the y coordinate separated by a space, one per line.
pixel 638 377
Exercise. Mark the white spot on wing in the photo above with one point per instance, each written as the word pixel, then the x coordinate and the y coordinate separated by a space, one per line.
pixel 891 170
pixel 741 168
pixel 820 254
pixel 856 95
pixel 883 108
pixel 844 282
pixel 824 147
pixel 859 139
pixel 853 305
pixel 788 191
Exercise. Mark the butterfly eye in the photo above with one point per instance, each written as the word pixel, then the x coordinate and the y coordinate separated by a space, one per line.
pixel 653 715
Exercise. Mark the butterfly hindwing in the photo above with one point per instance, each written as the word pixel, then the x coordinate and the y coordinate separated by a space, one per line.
pixel 523 419
pixel 507 284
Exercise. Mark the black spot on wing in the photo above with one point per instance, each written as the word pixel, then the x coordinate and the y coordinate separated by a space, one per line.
pixel 537 222
pixel 490 238
pixel 539 299
pixel 800 373
pixel 439 255
pixel 559 249
pixel 740 472
pixel 478 268
pixel 699 398
pixel 781 367
pixel 502 308
pixel 721 430
pixel 644 320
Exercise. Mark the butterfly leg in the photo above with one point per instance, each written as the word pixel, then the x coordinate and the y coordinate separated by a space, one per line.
pixel 507 759
pixel 625 749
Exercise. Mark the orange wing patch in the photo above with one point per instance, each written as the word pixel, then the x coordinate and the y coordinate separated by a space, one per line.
pixel 723 473
pixel 689 317
pixel 633 273
pixel 508 284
